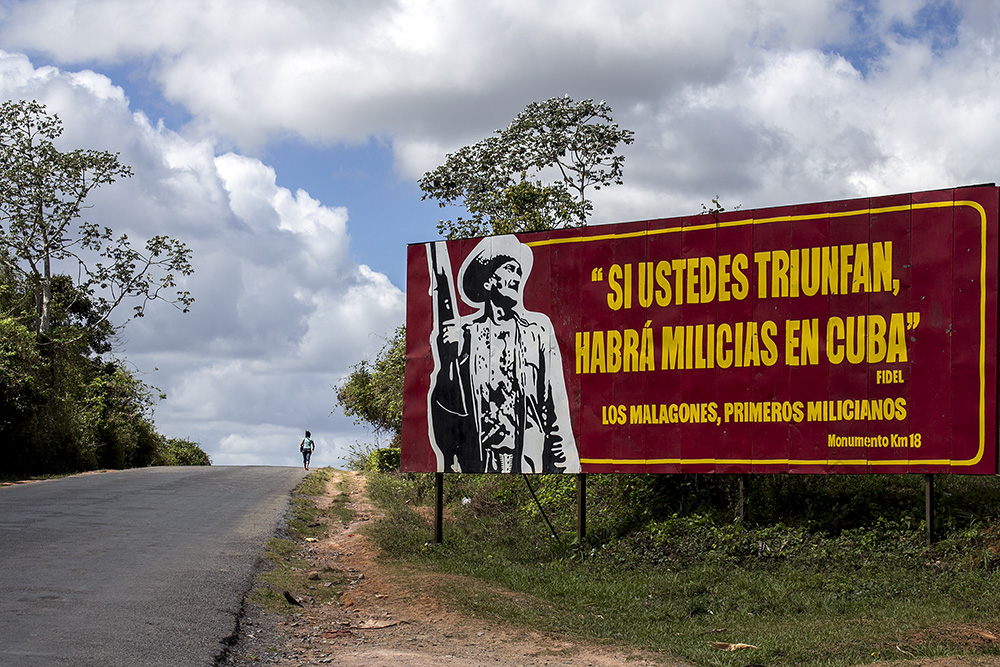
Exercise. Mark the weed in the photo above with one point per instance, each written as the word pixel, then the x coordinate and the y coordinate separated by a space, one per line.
pixel 824 571
pixel 287 570
pixel 315 482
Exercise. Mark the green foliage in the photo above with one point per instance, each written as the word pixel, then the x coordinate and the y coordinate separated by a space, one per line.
pixel 315 482
pixel 290 568
pixel 677 571
pixel 78 414
pixel 404 531
pixel 20 365
pixel 64 406
pixel 385 459
pixel 716 208
pixel 399 489
pixel 829 504
pixel 117 410
pixel 289 571
pixel 501 182
pixel 533 175
pixel 373 392
pixel 180 452
pixel 358 455
pixel 42 195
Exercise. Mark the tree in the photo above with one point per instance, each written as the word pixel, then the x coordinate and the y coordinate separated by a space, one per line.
pixel 533 175
pixel 117 411
pixel 20 368
pixel 42 198
pixel 181 452
pixel 501 182
pixel 373 392
pixel 63 407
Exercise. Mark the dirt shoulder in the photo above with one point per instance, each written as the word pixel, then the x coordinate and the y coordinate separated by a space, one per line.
pixel 390 615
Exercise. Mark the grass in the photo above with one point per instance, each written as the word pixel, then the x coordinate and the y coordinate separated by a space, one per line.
pixel 315 482
pixel 289 570
pixel 670 571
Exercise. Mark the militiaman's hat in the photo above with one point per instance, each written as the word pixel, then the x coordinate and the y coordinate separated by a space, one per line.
pixel 491 253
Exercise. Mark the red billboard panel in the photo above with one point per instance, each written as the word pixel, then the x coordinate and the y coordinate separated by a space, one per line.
pixel 838 337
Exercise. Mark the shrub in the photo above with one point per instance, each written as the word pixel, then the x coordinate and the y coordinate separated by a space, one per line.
pixel 385 459
pixel 179 452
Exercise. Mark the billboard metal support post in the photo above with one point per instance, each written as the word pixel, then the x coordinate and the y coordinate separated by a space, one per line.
pixel 741 509
pixel 929 507
pixel 581 508
pixel 438 507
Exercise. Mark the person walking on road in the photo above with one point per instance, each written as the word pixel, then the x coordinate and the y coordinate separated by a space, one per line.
pixel 307 446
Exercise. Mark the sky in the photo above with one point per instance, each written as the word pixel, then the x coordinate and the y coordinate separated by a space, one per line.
pixel 282 141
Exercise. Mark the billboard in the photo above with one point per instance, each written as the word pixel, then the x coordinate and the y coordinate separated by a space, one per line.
pixel 854 336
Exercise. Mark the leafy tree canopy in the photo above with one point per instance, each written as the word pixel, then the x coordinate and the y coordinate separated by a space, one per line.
pixel 181 452
pixel 535 174
pixel 64 406
pixel 42 198
pixel 373 392
pixel 532 176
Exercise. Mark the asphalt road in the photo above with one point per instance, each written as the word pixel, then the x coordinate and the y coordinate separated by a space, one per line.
pixel 130 568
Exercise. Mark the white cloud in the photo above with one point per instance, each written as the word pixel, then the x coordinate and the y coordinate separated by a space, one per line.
pixel 334 72
pixel 761 102
pixel 800 124
pixel 281 310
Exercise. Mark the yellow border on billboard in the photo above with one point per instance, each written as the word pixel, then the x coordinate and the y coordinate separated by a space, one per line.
pixel 821 216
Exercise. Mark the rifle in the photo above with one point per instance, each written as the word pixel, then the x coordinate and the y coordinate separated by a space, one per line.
pixel 452 428
pixel 441 289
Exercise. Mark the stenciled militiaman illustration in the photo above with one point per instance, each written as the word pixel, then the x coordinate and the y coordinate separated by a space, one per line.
pixel 497 401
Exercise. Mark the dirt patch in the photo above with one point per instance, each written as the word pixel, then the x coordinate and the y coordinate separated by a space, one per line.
pixel 967 635
pixel 390 615
pixel 958 661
